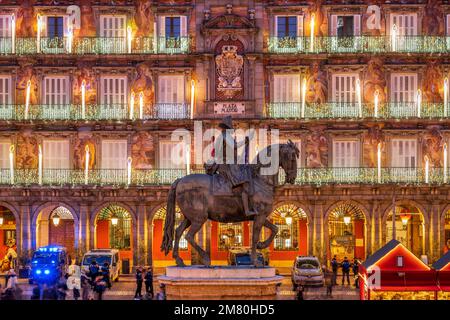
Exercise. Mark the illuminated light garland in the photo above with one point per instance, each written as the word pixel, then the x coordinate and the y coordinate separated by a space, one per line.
pixel 27 99
pixel 141 105
pixel 86 164
pixel 192 98
pixel 445 150
pixel 11 164
pixel 132 106
pixel 40 165
pixel 312 25
pixel 129 39
pixel 129 161
pixel 419 102
pixel 13 33
pixel 83 100
pixel 303 97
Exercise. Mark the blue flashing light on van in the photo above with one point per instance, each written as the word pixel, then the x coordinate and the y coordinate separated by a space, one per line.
pixel 48 264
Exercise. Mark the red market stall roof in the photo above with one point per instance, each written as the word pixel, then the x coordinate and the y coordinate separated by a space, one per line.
pixel 443 269
pixel 399 269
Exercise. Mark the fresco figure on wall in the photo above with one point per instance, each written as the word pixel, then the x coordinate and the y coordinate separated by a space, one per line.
pixel 144 83
pixel 25 74
pixel 372 138
pixel 25 20
pixel 27 151
pixel 433 23
pixel 375 80
pixel 142 17
pixel 317 149
pixel 432 144
pixel 142 150
pixel 79 153
pixel 432 83
pixel 316 85
pixel 85 73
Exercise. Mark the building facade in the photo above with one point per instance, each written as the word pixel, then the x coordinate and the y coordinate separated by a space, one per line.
pixel 91 92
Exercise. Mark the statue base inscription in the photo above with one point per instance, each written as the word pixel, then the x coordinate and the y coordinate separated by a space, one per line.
pixel 220 283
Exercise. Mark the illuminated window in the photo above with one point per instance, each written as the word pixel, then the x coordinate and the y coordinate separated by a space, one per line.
pixel 113 26
pixel 120 233
pixel 286 218
pixel 161 214
pixel 5 26
pixel 230 236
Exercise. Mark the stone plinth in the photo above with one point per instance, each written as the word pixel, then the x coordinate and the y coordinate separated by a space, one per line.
pixel 220 283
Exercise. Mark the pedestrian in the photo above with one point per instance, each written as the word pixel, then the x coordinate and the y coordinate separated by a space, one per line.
pixel 49 292
pixel 12 280
pixel 61 287
pixel 106 274
pixel 74 280
pixel 139 280
pixel 99 286
pixel 334 267
pixel 328 276
pixel 345 270
pixel 36 293
pixel 300 291
pixel 149 283
pixel 85 286
pixel 161 295
pixel 355 269
pixel 93 271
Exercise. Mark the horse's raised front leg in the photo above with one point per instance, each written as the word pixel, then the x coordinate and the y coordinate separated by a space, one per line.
pixel 190 237
pixel 257 226
pixel 178 233
pixel 273 232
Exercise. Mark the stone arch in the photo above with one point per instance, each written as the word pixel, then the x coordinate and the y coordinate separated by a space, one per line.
pixel 15 211
pixel 409 203
pixel 36 213
pixel 97 209
pixel 357 209
pixel 299 205
pixel 442 224
pixel 4 240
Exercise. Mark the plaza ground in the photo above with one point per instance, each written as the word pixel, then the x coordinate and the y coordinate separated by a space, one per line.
pixel 125 288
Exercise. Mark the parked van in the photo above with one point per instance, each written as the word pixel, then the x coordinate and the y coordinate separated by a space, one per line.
pixel 48 264
pixel 101 256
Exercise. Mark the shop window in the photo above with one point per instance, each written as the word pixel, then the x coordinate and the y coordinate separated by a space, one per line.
pixel 230 236
pixel 287 218
pixel 119 226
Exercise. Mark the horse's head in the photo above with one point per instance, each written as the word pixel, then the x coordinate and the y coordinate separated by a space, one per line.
pixel 288 160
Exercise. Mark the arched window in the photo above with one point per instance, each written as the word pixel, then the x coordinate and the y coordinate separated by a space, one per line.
pixel 286 218
pixel 230 236
pixel 161 214
pixel 119 226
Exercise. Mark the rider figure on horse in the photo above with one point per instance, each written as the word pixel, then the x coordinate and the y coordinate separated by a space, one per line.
pixel 239 175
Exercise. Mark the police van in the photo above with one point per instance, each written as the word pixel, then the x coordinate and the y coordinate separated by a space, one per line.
pixel 48 264
pixel 111 256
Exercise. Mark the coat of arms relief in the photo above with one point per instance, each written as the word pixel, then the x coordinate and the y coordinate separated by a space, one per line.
pixel 229 66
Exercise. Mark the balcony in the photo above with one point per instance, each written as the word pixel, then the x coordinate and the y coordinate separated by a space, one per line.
pixel 333 110
pixel 74 112
pixel 360 44
pixel 95 45
pixel 157 177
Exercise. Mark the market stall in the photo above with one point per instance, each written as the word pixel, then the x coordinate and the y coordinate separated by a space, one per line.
pixel 395 273
pixel 442 267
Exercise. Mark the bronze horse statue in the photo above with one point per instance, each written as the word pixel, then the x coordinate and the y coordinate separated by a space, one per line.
pixel 197 203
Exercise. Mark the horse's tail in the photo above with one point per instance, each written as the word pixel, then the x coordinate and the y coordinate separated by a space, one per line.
pixel 169 224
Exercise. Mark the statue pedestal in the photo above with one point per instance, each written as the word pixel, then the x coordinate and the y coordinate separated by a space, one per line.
pixel 220 283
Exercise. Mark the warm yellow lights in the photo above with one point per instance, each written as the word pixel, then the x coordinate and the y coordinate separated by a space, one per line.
pixel 129 161
pixel 394 38
pixel 419 102
pixel 445 96
pixel 132 106
pixel 27 99
pixel 379 162
pixel 375 103
pixel 129 38
pixel 312 25
pixel 288 220
pixel 347 220
pixel 86 164
pixel 40 165
pixel 427 169
pixel 192 98
pixel 56 219
pixel 141 105
pixel 83 99
pixel 13 33
pixel 405 218
pixel 11 164
pixel 445 150
pixel 358 97
pixel 303 97
pixel 39 31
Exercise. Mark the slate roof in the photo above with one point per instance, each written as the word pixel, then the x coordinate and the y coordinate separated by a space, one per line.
pixel 442 262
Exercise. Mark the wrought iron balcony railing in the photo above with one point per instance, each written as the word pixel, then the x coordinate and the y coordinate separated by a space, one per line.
pixel 390 110
pixel 94 112
pixel 155 177
pixel 95 45
pixel 360 44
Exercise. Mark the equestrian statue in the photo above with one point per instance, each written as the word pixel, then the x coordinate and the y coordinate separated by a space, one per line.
pixel 228 193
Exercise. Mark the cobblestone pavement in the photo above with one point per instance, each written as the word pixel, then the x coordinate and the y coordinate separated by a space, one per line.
pixel 125 288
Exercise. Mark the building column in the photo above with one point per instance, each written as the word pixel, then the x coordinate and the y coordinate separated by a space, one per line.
pixel 434 233
pixel 376 226
pixel 83 230
pixel 320 248
pixel 368 235
pixel 26 243
pixel 141 250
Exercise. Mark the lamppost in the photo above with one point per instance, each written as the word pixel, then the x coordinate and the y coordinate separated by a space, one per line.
pixel 56 219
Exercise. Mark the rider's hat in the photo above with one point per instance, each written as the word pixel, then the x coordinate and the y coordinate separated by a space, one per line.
pixel 226 123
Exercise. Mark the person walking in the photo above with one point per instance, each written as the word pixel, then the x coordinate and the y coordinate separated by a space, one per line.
pixel 149 283
pixel 355 269
pixel 74 280
pixel 345 271
pixel 61 287
pixel 300 291
pixel 85 286
pixel 106 274
pixel 36 293
pixel 334 267
pixel 100 286
pixel 161 295
pixel 328 276
pixel 49 293
pixel 93 271
pixel 139 280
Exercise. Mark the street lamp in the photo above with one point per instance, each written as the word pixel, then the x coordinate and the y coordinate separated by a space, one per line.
pixel 288 219
pixel 1 220
pixel 56 219
pixel 114 220
pixel 347 219
pixel 405 219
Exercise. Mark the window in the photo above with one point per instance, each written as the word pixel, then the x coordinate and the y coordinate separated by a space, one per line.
pixel 400 261
pixel 403 87
pixel 171 89
pixel 5 26
pixel 404 153
pixel 5 97
pixel 56 90
pixel 168 156
pixel 345 25
pixel 56 154
pixel 286 88
pixel 344 87
pixel 113 26
pixel 113 97
pixel 289 31
pixel 172 30
pixel 4 154
pixel 114 154
pixel 55 27
pixel 345 154
pixel 230 235
pixel 406 24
